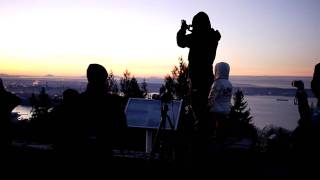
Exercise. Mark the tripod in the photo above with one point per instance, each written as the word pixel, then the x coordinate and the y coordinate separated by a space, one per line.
pixel 162 126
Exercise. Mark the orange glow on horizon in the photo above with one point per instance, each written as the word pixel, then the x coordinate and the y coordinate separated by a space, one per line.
pixel 138 70
pixel 62 38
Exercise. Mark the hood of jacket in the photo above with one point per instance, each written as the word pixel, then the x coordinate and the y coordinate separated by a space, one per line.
pixel 222 70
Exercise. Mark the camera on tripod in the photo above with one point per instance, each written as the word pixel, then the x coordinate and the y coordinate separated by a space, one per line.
pixel 166 96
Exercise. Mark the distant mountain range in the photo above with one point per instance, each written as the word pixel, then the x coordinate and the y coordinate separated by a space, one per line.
pixel 7 75
pixel 269 84
pixel 49 75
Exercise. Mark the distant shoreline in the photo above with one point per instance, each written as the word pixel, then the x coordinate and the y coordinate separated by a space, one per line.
pixel 251 86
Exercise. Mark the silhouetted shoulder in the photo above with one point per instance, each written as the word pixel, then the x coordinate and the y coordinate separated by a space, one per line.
pixel 216 34
pixel 117 109
pixel 116 98
pixel 9 100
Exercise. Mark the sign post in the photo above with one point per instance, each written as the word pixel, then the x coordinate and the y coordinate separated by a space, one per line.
pixel 146 114
pixel 149 142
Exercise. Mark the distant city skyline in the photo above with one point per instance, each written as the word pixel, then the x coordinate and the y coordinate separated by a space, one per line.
pixel 269 37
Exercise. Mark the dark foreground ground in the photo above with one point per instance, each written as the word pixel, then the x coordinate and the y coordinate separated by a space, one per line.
pixel 228 163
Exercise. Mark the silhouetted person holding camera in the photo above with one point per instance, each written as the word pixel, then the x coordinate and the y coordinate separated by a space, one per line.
pixel 203 43
pixel 315 87
pixel 306 136
pixel 101 114
pixel 315 83
pixel 8 102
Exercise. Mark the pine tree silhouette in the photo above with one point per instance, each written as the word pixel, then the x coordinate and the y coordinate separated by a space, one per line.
pixel 241 118
pixel 177 82
pixel 40 105
pixel 130 87
pixel 239 110
pixel 134 89
pixel 112 84
pixel 39 120
pixel 125 83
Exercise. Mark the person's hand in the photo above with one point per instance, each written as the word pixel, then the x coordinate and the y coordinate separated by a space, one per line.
pixel 184 25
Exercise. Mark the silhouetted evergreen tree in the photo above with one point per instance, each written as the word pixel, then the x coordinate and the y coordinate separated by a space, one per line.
pixel 241 118
pixel 181 76
pixel 239 110
pixel 112 84
pixel 177 82
pixel 169 85
pixel 40 105
pixel 40 115
pixel 134 88
pixel 125 83
pixel 130 87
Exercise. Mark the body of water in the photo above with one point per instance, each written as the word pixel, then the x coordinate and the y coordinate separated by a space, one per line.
pixel 269 98
pixel 274 110
pixel 23 111
pixel 266 110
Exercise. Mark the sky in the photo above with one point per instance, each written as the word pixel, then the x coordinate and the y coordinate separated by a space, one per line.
pixel 62 37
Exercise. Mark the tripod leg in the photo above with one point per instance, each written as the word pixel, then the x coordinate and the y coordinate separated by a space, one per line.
pixel 170 122
pixel 157 137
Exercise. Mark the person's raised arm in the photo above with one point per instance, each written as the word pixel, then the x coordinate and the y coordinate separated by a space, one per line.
pixel 183 40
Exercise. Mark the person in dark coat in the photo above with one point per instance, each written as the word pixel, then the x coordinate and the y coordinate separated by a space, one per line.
pixel 306 135
pixel 315 83
pixel 101 114
pixel 8 102
pixel 203 43
pixel 315 116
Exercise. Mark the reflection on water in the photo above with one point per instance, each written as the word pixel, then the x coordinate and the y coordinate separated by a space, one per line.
pixel 23 111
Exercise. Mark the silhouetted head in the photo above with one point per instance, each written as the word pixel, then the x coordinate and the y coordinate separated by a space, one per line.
pixel 70 95
pixel 315 83
pixel 201 22
pixel 222 70
pixel 316 72
pixel 96 74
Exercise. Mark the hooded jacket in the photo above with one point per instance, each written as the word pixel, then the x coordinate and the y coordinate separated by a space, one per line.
pixel 221 90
